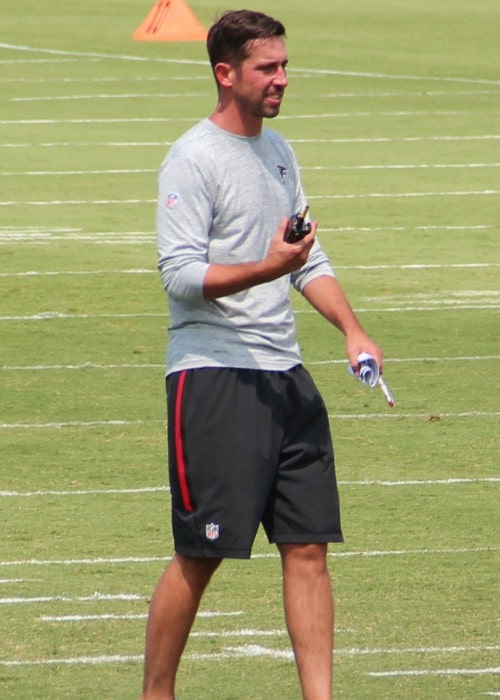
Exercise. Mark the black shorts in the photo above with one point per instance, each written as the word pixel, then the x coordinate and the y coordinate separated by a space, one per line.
pixel 249 447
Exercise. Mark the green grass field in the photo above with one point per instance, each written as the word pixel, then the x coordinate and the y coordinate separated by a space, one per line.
pixel 393 110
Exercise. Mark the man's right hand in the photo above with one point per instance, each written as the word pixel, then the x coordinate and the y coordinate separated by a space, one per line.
pixel 288 257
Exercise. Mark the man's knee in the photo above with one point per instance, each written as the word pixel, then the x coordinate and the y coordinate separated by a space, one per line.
pixel 197 571
pixel 306 557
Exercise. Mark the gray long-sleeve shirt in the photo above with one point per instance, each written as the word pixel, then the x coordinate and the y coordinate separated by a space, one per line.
pixel 220 200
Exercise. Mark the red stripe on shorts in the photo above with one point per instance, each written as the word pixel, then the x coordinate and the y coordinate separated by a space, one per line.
pixel 179 446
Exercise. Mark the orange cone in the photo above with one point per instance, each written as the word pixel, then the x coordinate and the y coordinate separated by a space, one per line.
pixel 170 20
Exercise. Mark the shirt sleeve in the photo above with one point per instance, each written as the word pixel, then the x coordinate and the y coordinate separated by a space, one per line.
pixel 183 221
pixel 317 265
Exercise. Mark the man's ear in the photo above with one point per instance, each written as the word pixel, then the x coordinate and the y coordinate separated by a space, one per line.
pixel 224 74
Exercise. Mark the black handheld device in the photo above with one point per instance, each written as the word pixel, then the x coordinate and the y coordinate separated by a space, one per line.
pixel 297 227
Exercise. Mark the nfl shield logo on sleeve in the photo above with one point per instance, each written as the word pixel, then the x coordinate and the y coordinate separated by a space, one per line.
pixel 212 531
pixel 173 200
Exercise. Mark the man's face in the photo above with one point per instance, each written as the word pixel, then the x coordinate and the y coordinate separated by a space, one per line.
pixel 260 80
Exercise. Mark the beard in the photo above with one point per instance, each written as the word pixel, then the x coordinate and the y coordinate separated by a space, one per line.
pixel 266 107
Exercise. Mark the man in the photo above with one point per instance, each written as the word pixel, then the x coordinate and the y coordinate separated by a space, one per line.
pixel 249 439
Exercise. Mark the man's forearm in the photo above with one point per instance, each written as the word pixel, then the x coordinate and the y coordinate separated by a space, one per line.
pixel 281 259
pixel 326 296
pixel 223 280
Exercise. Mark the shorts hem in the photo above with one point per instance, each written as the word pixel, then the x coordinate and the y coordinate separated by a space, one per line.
pixel 306 539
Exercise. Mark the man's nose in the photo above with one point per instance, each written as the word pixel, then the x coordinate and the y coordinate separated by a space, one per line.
pixel 281 78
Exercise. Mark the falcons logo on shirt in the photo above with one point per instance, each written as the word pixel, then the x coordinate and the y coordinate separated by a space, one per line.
pixel 282 173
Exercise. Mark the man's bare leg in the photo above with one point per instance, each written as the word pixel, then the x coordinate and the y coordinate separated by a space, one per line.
pixel 171 616
pixel 308 604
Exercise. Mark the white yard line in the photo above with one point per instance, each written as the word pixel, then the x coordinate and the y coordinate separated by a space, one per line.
pixel 452 481
pixel 161 365
pixel 439 305
pixel 388 113
pixel 308 71
pixel 45 235
pixel 492 670
pixel 100 561
pixel 67 173
pixel 109 96
pixel 71 273
pixel 205 77
pixel 259 651
pixel 392 139
pixel 402 166
pixel 356 651
pixel 337 416
pixel 160 144
pixel 95 597
pixel 132 616
pixel 85 365
pixel 346 196
pixel 86 492
pixel 141 171
pixel 31 233
pixel 179 78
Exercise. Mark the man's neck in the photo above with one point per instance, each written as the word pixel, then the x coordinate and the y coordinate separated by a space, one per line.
pixel 232 120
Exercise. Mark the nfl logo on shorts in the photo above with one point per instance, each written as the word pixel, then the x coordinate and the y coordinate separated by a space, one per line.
pixel 212 531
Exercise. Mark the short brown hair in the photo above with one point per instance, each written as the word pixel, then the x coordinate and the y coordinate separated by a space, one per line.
pixel 230 36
